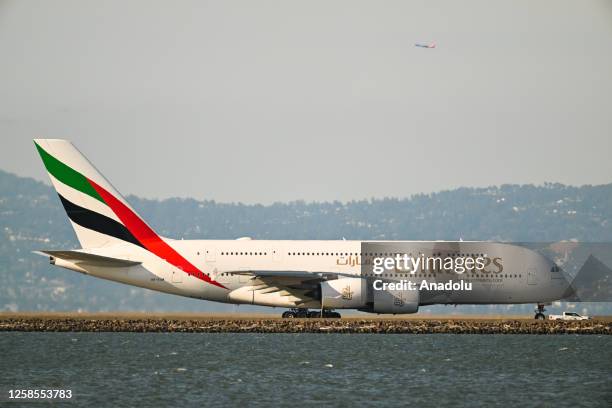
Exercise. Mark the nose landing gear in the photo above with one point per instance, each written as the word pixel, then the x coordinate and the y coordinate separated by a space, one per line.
pixel 539 312
pixel 305 314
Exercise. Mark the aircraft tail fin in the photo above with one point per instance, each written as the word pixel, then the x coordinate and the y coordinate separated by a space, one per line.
pixel 99 215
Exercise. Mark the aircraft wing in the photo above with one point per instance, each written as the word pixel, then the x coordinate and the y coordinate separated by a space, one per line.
pixel 300 286
pixel 294 275
pixel 79 257
pixel 298 283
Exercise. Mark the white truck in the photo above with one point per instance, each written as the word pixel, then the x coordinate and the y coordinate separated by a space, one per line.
pixel 568 316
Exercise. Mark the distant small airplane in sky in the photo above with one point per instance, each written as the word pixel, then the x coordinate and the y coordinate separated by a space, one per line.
pixel 422 45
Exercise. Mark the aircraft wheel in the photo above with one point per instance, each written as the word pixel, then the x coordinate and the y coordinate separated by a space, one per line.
pixel 540 316
pixel 288 315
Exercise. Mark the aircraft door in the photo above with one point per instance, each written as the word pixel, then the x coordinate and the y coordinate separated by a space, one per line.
pixel 532 276
pixel 177 275
pixel 210 255
pixel 276 255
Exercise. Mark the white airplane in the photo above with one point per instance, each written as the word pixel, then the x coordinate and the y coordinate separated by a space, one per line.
pixel 118 245
pixel 424 45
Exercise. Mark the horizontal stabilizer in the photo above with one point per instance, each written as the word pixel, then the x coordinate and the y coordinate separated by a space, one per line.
pixel 85 258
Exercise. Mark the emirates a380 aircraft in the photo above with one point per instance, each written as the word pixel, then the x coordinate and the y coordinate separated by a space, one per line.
pixel 117 244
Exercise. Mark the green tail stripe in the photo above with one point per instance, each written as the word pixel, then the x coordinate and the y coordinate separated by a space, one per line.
pixel 67 175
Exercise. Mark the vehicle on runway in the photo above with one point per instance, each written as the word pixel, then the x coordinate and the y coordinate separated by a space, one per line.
pixel 568 316
pixel 118 245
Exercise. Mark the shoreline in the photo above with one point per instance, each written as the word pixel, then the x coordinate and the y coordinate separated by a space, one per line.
pixel 187 323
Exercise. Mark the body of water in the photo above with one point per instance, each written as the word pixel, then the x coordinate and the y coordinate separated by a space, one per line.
pixel 438 370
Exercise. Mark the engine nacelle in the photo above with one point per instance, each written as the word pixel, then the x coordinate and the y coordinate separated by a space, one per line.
pixel 355 293
pixel 344 293
pixel 395 301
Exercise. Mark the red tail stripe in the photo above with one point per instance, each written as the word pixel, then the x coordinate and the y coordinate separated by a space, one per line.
pixel 148 238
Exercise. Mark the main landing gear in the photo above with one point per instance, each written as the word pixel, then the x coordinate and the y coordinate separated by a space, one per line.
pixel 539 312
pixel 305 314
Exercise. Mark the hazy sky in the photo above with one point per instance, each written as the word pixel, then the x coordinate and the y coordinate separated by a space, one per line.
pixel 260 101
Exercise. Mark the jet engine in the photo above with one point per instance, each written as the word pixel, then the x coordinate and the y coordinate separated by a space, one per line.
pixel 356 293
pixel 344 293
pixel 394 301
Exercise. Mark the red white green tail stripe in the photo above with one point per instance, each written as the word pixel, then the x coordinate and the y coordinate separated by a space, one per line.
pixel 97 211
